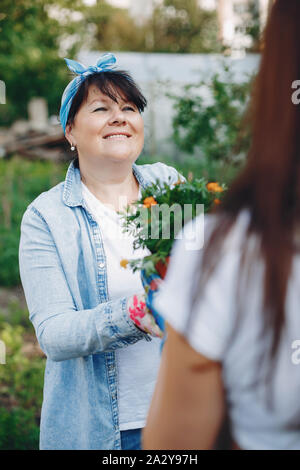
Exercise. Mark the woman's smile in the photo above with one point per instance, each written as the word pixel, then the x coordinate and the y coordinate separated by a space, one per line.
pixel 117 136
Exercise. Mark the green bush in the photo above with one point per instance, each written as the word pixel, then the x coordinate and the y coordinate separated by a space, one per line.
pixel 16 316
pixel 30 54
pixel 21 383
pixel 193 166
pixel 18 429
pixel 21 181
pixel 208 119
pixel 21 378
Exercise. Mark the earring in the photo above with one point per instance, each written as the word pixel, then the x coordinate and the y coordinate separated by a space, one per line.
pixel 72 147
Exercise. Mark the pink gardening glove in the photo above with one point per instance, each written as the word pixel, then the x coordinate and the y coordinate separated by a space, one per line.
pixel 142 316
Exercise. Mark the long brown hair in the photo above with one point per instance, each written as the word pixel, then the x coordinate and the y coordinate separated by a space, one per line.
pixel 269 183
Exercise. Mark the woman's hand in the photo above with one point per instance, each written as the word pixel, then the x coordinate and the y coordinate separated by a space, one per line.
pixel 140 307
pixel 141 316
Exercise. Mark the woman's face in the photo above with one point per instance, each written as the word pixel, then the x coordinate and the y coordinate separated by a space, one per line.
pixel 104 129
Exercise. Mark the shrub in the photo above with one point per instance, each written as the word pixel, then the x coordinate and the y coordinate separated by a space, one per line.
pixel 21 385
pixel 21 378
pixel 18 429
pixel 21 181
pixel 208 119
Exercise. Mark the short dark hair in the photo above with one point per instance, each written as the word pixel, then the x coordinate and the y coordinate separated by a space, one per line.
pixel 115 84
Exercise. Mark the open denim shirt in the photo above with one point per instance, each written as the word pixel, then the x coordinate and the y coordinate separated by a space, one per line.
pixel 64 277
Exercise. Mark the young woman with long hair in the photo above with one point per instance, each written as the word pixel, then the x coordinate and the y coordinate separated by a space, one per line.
pixel 233 329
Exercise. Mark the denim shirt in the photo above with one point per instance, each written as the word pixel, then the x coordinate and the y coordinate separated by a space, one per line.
pixel 64 277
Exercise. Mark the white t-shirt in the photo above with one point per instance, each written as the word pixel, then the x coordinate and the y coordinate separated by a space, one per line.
pixel 216 335
pixel 138 363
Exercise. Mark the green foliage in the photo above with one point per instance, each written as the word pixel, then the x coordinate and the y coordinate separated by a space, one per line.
pixel 30 60
pixel 18 429
pixel 182 26
pixel 115 30
pixel 208 119
pixel 9 244
pixel 21 378
pixel 16 316
pixel 251 22
pixel 35 36
pixel 21 181
pixel 155 220
pixel 21 385
pixel 193 167
pixel 174 26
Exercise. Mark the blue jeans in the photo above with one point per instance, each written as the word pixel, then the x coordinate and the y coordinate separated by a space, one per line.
pixel 131 439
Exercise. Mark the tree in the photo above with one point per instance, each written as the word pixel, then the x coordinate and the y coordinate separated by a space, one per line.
pixel 251 24
pixel 253 27
pixel 35 36
pixel 214 130
pixel 30 60
pixel 114 29
pixel 175 26
pixel 182 26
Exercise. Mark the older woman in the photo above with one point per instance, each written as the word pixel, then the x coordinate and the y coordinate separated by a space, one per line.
pixel 101 369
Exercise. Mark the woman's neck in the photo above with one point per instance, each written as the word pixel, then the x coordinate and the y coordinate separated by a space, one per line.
pixel 117 190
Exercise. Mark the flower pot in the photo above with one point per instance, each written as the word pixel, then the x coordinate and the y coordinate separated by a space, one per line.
pixel 161 267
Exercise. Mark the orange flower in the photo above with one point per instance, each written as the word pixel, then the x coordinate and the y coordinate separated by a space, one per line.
pixel 217 201
pixel 214 187
pixel 149 201
pixel 123 263
pixel 178 182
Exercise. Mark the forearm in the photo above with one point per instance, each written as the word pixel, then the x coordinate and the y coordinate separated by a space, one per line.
pixel 64 329
pixel 79 333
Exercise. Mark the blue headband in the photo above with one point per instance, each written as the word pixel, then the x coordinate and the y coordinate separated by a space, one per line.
pixel 104 64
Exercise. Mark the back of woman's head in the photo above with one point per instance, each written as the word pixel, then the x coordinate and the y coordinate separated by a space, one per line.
pixel 269 184
pixel 270 179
